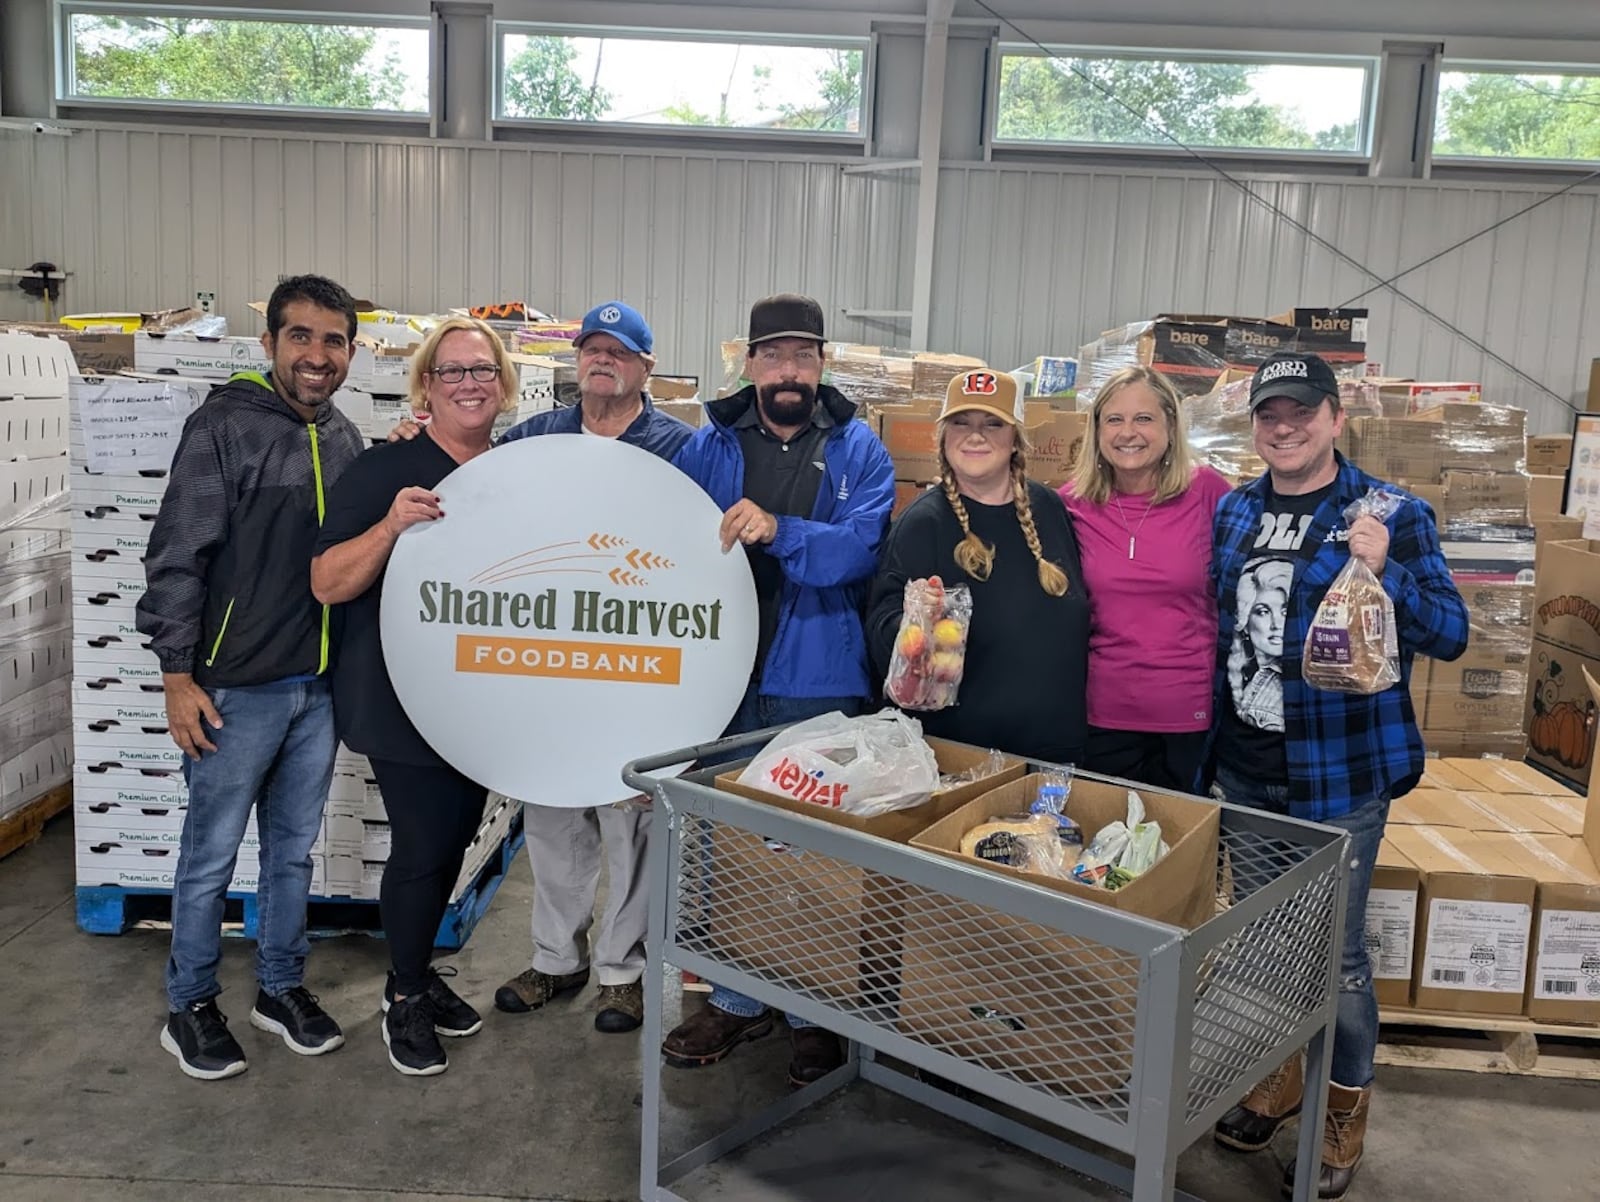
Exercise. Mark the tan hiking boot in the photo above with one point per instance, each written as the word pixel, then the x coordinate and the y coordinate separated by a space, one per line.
pixel 1344 1132
pixel 621 1008
pixel 1275 1100
pixel 532 989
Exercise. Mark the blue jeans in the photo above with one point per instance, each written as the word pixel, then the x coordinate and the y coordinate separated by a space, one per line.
pixel 274 752
pixel 1355 1035
pixel 755 713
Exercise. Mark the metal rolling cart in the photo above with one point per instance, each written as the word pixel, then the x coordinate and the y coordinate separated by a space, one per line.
pixel 1134 1034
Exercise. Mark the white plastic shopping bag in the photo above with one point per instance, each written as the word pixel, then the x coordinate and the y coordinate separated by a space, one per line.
pixel 864 766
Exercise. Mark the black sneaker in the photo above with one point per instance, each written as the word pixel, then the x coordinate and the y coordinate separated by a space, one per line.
pixel 408 1033
pixel 295 1015
pixel 200 1039
pixel 452 1017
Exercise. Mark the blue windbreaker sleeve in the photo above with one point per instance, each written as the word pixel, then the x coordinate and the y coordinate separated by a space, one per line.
pixel 1429 611
pixel 825 554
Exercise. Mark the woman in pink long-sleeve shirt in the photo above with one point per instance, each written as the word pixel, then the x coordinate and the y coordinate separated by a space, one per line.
pixel 1144 509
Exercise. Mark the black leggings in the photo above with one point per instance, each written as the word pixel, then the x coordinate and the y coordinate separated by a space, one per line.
pixel 1161 760
pixel 433 814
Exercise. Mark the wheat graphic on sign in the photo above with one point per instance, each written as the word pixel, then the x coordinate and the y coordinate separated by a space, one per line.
pixel 585 556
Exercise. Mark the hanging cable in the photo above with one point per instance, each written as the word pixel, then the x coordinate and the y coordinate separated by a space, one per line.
pixel 1289 219
pixel 1454 246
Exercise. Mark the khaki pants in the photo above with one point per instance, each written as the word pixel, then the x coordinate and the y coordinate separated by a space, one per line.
pixel 564 848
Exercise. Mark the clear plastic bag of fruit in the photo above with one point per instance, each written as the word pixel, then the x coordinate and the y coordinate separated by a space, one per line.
pixel 930 650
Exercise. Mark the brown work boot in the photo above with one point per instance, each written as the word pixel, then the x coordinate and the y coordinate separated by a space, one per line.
pixel 1344 1132
pixel 816 1054
pixel 621 1008
pixel 710 1035
pixel 1250 1125
pixel 532 989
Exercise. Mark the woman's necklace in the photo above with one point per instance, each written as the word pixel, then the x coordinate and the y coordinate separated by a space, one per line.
pixel 1133 531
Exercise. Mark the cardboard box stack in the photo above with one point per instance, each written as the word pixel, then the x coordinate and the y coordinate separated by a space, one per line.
pixel 35 623
pixel 1495 865
pixel 129 792
pixel 380 397
pixel 909 428
pixel 1465 459
pixel 1559 713
pixel 129 795
pixel 204 362
pixel 1194 350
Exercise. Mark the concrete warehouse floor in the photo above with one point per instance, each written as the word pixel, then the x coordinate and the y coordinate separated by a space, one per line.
pixel 541 1106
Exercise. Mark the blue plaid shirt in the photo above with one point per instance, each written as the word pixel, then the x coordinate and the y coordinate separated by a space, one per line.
pixel 1343 749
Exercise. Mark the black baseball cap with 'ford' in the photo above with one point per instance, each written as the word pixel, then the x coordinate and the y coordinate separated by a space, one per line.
pixel 1304 378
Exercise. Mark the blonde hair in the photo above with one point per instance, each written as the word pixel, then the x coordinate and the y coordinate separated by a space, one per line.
pixel 976 557
pixel 1093 478
pixel 422 360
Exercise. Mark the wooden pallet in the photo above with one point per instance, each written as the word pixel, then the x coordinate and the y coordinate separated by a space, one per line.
pixel 1480 1044
pixel 22 826
pixel 112 910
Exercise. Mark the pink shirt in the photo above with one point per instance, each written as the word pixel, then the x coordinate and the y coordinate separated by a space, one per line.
pixel 1153 620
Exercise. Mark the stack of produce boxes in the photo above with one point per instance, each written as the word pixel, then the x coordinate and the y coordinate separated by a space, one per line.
pixel 129 792
pixel 35 625
pixel 1465 458
pixel 1487 895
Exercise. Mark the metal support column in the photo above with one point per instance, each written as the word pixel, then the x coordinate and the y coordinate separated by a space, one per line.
pixel 930 134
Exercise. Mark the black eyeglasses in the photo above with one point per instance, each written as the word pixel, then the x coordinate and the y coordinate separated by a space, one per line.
pixel 454 373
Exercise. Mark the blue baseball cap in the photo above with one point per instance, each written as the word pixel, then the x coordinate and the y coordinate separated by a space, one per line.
pixel 623 322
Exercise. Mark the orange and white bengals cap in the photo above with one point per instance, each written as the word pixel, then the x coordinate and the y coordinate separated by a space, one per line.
pixel 985 390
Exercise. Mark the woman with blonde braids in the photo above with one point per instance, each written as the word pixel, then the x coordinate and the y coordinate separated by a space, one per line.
pixel 1011 541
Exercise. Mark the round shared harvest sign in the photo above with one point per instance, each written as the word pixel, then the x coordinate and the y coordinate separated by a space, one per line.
pixel 572 610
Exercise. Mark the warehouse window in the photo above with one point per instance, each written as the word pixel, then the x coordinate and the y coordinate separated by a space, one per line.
pixel 656 77
pixel 1518 111
pixel 1127 99
pixel 189 56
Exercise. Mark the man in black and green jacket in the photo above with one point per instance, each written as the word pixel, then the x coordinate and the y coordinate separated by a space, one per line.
pixel 243 647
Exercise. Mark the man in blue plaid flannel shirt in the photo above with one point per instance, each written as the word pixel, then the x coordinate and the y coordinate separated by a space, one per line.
pixel 1283 745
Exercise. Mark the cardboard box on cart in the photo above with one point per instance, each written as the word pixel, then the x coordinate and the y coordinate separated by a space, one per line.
pixel 792 892
pixel 1030 1001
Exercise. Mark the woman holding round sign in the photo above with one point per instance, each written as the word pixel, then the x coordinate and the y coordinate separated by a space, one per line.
pixel 462 376
pixel 1012 543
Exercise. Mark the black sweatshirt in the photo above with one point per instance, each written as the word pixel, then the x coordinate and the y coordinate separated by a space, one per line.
pixel 1022 690
pixel 229 563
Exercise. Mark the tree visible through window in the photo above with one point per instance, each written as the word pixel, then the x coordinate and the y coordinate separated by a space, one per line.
pixel 1505 114
pixel 637 79
pixel 1264 106
pixel 279 63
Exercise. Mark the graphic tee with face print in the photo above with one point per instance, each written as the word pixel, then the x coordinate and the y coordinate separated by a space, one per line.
pixel 1250 734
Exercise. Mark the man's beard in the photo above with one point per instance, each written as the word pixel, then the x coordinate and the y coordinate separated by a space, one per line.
pixel 786 410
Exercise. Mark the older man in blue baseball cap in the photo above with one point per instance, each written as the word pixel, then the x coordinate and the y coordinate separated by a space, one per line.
pixel 565 845
pixel 615 356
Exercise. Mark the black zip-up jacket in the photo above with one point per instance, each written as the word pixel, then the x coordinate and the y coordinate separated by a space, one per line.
pixel 229 563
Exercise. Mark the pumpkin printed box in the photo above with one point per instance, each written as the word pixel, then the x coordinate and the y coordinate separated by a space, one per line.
pixel 1560 715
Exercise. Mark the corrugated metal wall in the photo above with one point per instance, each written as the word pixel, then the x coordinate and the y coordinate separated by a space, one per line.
pixel 1027 259
pixel 144 219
